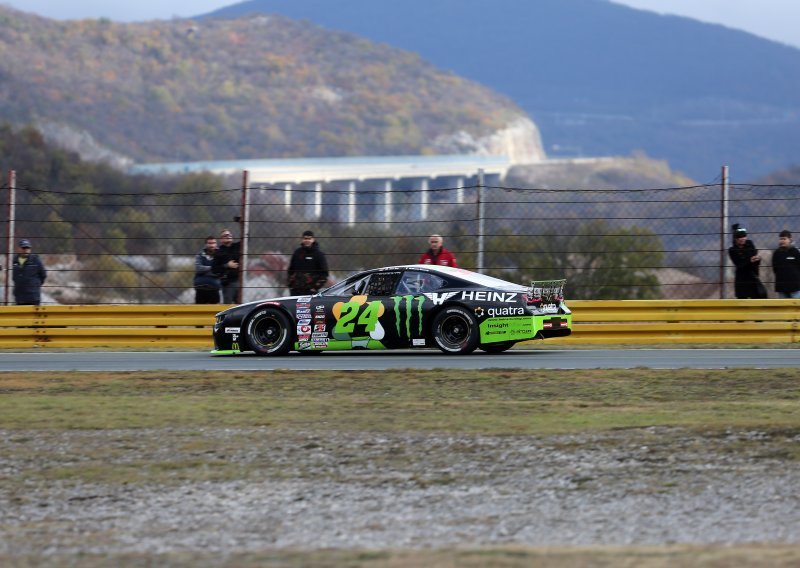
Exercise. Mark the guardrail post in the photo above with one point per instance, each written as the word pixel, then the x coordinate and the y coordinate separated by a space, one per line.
pixel 244 231
pixel 723 259
pixel 12 196
pixel 481 221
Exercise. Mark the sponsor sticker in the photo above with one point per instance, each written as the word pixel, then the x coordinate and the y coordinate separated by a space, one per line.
pixel 418 342
pixel 489 296
pixel 306 321
pixel 320 327
pixel 507 329
pixel 303 329
pixel 499 312
pixel 232 330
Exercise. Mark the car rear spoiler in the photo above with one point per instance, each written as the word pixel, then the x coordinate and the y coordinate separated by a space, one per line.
pixel 546 291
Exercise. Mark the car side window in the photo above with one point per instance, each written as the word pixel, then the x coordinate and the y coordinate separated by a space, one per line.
pixel 382 283
pixel 414 282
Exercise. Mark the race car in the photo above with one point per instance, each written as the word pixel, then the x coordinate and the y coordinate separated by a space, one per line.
pixel 399 307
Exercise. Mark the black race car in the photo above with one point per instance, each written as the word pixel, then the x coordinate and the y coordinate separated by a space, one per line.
pixel 399 307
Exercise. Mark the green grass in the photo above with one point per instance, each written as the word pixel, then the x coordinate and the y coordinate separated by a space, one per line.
pixel 486 402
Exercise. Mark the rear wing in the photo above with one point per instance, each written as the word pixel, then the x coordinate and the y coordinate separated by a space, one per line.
pixel 546 291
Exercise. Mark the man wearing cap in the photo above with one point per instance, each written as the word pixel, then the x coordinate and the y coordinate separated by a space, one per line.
pixel 744 256
pixel 308 269
pixel 29 275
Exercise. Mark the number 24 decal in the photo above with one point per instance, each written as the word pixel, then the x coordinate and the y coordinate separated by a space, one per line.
pixel 360 313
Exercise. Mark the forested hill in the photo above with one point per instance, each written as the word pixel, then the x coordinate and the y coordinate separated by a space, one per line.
pixel 255 87
pixel 599 78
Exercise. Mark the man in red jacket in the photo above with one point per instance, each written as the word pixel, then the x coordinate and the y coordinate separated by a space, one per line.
pixel 437 254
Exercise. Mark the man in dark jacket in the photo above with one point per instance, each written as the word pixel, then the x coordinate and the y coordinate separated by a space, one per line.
pixel 744 256
pixel 226 265
pixel 308 269
pixel 786 266
pixel 29 275
pixel 206 284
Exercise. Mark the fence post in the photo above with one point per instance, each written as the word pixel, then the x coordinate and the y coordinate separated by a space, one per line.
pixel 12 196
pixel 481 220
pixel 722 234
pixel 244 231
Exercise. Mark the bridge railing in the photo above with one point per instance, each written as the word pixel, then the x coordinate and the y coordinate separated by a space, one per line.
pixel 177 327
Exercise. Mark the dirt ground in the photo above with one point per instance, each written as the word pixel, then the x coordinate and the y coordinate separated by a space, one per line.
pixel 215 496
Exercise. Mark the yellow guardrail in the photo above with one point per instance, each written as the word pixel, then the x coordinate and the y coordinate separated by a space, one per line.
pixel 594 322
pixel 684 321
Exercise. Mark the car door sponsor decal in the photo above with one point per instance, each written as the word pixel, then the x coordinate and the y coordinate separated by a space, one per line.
pixel 407 316
pixel 489 296
pixel 507 329
pixel 439 298
pixel 357 322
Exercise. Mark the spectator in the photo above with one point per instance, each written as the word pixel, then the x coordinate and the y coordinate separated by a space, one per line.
pixel 745 257
pixel 206 284
pixel 308 269
pixel 437 254
pixel 226 266
pixel 786 266
pixel 29 275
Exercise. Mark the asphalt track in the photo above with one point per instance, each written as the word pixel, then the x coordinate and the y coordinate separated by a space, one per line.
pixel 378 361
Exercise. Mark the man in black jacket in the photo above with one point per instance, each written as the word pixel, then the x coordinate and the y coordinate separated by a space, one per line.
pixel 744 256
pixel 29 275
pixel 786 266
pixel 308 269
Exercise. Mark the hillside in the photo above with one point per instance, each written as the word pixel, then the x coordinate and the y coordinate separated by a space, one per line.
pixel 599 78
pixel 256 87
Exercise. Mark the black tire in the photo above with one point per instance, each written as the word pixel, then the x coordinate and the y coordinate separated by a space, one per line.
pixel 455 330
pixel 497 347
pixel 268 332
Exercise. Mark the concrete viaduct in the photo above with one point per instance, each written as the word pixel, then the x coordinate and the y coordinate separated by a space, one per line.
pixel 349 182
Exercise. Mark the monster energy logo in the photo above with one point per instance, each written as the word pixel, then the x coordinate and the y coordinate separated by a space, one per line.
pixel 409 302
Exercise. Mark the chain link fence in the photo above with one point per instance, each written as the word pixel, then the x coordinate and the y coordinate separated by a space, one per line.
pixel 608 244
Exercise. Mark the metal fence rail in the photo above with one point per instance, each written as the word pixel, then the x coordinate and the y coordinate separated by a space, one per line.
pixel 174 327
pixel 611 244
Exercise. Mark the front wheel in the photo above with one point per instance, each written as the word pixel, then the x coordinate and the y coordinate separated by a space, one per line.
pixel 268 332
pixel 497 347
pixel 455 330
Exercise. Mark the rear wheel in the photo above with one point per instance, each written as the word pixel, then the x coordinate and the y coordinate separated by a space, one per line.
pixel 497 347
pixel 455 330
pixel 268 332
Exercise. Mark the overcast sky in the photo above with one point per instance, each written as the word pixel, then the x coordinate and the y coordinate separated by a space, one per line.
pixel 774 19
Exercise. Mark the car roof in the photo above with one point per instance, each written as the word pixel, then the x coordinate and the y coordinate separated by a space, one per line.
pixel 461 273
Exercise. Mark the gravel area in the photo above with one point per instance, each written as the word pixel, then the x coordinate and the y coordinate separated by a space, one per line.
pixel 313 490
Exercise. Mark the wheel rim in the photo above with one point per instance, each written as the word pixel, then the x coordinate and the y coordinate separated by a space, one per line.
pixel 268 332
pixel 455 330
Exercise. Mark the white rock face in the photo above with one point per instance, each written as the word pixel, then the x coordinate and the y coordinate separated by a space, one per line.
pixel 520 141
